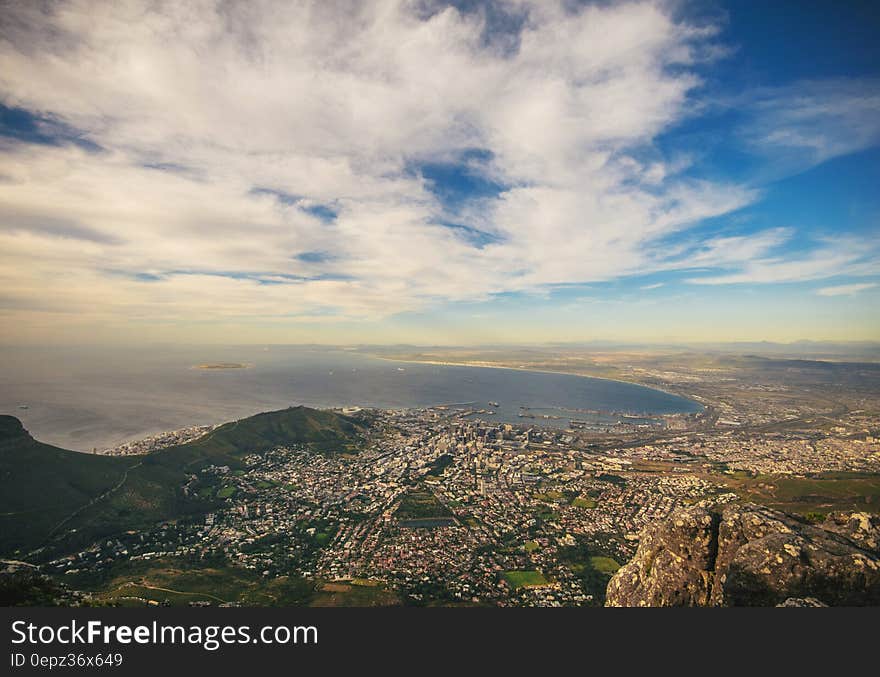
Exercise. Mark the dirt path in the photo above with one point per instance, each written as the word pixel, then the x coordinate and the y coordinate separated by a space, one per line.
pixel 94 501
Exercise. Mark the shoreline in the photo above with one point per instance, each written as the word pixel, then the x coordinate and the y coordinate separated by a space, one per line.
pixel 222 366
pixel 477 365
pixel 116 441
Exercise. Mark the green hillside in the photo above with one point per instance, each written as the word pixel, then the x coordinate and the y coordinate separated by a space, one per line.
pixel 41 485
pixel 60 500
pixel 324 431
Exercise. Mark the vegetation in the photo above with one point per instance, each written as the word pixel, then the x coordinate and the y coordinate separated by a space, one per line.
pixel 324 431
pixel 180 582
pixel 525 579
pixel 438 466
pixel 550 497
pixel 43 485
pixel 421 505
pixel 592 567
pixel 27 587
pixel 811 497
pixel 226 492
pixel 605 565
pixel 546 515
pixel 354 595
pixel 65 499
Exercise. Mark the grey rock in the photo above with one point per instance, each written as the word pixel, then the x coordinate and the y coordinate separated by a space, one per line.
pixel 808 602
pixel 861 527
pixel 749 555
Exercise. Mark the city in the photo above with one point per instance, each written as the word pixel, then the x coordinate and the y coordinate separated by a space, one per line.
pixel 497 305
pixel 447 506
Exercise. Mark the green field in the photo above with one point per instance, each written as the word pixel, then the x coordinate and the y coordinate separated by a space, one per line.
pixel 592 566
pixel 176 582
pixel 525 579
pixel 819 494
pixel 546 515
pixel 605 565
pixel 530 546
pixel 584 503
pixel 322 538
pixel 421 505
pixel 358 593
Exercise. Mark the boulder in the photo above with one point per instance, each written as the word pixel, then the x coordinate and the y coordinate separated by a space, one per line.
pixel 749 555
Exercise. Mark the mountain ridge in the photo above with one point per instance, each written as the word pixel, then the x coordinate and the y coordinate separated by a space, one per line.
pixel 56 497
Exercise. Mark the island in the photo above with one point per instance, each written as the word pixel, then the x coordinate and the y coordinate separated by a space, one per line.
pixel 222 365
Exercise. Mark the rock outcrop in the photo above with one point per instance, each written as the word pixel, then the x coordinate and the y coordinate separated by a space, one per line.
pixel 797 602
pixel 749 555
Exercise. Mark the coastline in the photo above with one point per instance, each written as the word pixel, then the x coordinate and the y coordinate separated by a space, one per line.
pixel 480 365
pixel 116 436
pixel 222 366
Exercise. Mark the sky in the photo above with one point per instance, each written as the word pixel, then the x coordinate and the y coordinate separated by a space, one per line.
pixel 506 171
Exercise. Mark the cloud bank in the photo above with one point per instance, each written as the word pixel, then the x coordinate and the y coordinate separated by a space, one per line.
pixel 318 161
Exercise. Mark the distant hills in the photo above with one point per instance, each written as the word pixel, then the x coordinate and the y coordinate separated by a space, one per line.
pixel 59 499
pixel 867 351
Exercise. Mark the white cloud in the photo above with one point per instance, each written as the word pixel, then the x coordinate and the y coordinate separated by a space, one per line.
pixel 196 105
pixel 846 289
pixel 806 123
pixel 831 258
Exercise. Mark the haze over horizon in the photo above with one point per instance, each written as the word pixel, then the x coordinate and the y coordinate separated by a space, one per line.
pixel 508 171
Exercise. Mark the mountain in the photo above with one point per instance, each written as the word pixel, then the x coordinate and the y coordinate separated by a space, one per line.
pixel 324 431
pixel 62 499
pixel 41 485
pixel 749 555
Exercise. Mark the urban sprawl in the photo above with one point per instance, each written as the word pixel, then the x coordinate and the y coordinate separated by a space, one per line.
pixel 444 506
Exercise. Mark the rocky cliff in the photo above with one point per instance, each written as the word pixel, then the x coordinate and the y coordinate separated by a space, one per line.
pixel 748 555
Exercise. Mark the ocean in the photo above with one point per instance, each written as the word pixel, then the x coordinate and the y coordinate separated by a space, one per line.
pixel 86 398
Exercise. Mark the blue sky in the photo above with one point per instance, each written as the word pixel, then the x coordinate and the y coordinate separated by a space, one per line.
pixel 440 173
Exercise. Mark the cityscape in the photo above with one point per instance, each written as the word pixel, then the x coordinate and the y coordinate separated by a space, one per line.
pixel 439 303
pixel 445 506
